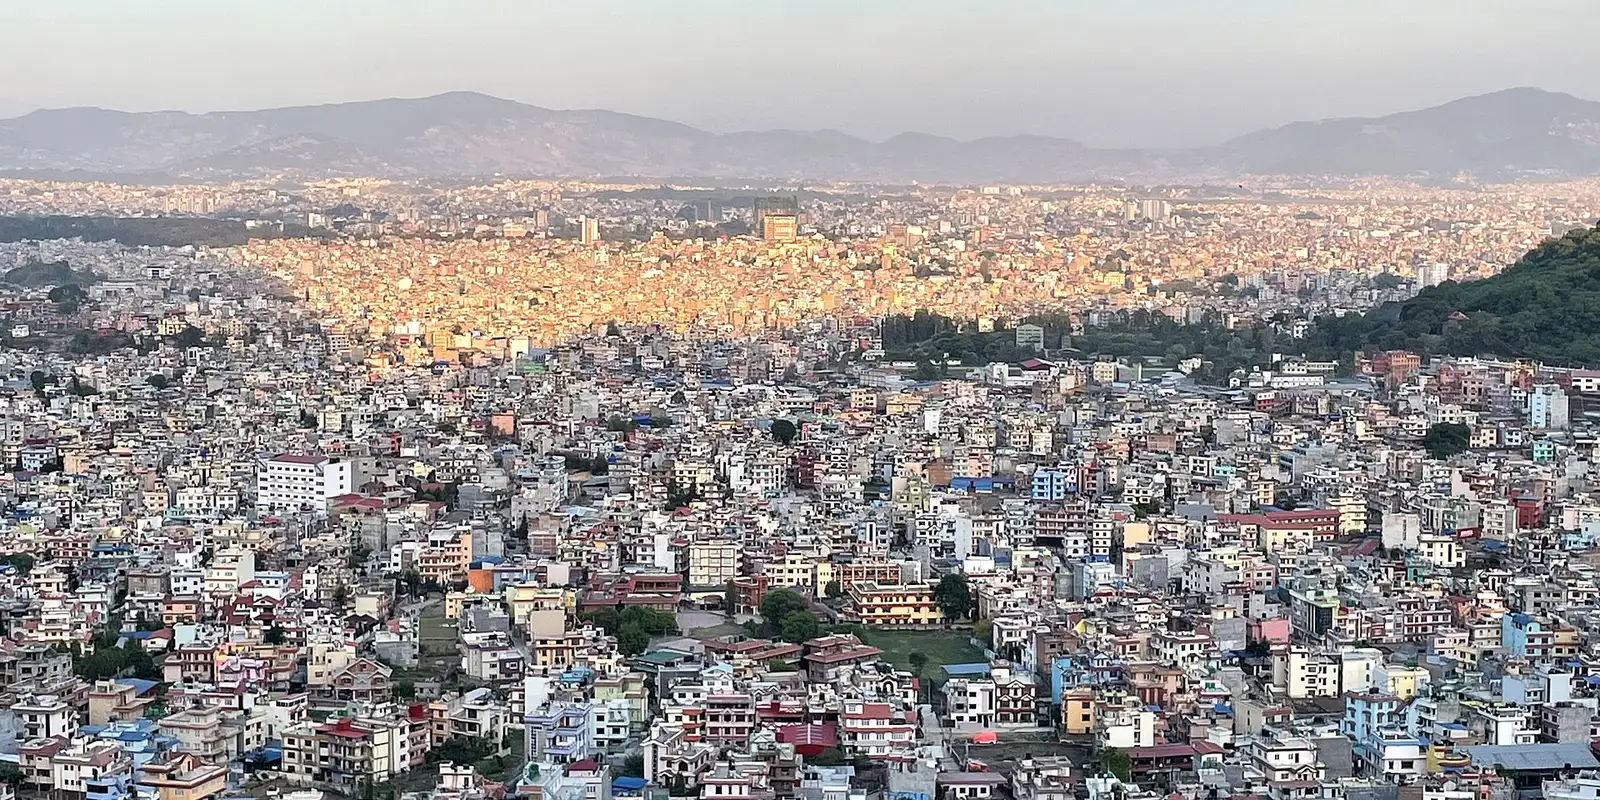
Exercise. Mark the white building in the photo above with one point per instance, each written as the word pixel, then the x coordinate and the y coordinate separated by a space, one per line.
pixel 287 484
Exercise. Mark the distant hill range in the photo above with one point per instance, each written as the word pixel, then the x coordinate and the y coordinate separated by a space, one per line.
pixel 1513 133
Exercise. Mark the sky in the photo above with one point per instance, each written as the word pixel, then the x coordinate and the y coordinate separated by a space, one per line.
pixel 1114 73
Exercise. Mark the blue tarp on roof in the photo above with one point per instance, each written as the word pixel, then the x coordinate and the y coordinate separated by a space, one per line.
pixel 627 784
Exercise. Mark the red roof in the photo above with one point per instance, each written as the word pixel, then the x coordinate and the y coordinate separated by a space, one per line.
pixel 871 711
pixel 809 739
pixel 1161 751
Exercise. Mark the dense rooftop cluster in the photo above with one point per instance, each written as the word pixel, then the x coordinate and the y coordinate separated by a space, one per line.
pixel 388 514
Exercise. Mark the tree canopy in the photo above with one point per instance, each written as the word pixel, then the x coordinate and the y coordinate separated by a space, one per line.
pixel 953 596
pixel 1445 439
pixel 633 626
pixel 1544 307
pixel 461 750
pixel 777 606
pixel 783 431
pixel 800 626
pixel 1117 762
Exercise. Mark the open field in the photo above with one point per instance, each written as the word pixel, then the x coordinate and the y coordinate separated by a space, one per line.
pixel 437 639
pixel 941 647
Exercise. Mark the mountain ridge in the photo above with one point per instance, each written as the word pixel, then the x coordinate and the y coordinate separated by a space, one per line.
pixel 1511 133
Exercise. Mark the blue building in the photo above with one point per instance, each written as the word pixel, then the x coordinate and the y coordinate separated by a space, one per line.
pixel 1518 631
pixel 1051 484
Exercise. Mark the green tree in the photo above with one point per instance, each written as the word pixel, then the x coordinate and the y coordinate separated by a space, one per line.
pixel 191 337
pixel 784 431
pixel 1445 439
pixel 649 620
pixel 800 626
pixel 778 605
pixel 919 662
pixel 1147 508
pixel 22 561
pixel 681 495
pixel 11 774
pixel 157 381
pixel 632 641
pixel 829 757
pixel 983 631
pixel 953 596
pixel 461 750
pixel 274 636
pixel 632 766
pixel 77 387
pixel 39 380
pixel 405 690
pixel 109 660
pixel 833 590
pixel 730 598
pixel 1117 762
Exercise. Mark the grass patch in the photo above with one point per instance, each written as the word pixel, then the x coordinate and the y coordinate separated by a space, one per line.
pixel 941 647
pixel 435 633
pixel 717 631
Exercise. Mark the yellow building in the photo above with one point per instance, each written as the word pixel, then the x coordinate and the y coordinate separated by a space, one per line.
pixel 909 605
pixel 181 776
pixel 796 570
pixel 1403 682
pixel 780 228
pixel 541 605
pixel 1077 712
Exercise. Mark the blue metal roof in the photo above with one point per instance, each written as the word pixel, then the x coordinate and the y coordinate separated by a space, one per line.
pixel 1533 757
pixel 140 685
pixel 965 670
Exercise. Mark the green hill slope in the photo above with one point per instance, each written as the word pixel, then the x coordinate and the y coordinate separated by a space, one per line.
pixel 1545 307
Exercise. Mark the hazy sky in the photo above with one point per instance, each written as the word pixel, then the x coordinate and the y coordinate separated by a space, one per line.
pixel 1107 72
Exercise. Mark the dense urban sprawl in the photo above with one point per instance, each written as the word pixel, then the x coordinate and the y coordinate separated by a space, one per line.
pixel 580 492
